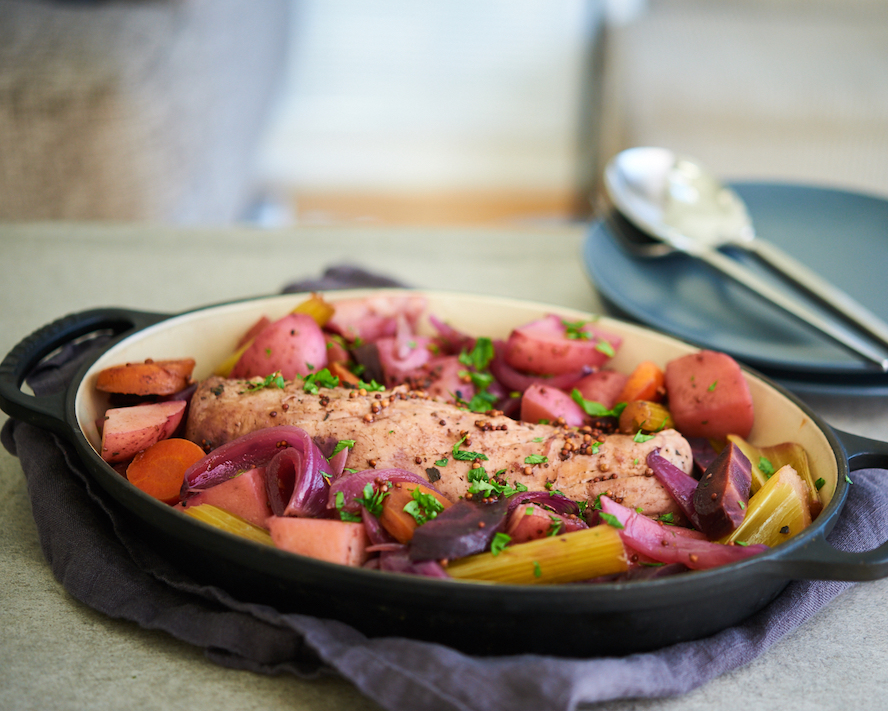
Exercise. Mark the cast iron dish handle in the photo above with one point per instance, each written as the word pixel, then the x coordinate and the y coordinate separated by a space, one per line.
pixel 48 411
pixel 817 559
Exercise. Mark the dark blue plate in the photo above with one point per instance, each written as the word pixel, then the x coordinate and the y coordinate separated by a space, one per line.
pixel 841 235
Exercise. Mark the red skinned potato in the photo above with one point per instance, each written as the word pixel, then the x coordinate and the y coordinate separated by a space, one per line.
pixel 602 386
pixel 708 396
pixel 541 402
pixel 293 345
pixel 130 430
pixel 550 346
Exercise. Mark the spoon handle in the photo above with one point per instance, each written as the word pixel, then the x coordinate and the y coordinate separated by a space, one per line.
pixel 837 332
pixel 819 288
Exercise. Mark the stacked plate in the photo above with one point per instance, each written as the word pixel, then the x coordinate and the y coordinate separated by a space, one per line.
pixel 843 236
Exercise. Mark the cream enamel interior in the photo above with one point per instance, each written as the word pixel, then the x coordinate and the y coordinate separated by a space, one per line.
pixel 210 335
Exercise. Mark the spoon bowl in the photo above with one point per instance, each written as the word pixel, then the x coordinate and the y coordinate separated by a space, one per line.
pixel 683 207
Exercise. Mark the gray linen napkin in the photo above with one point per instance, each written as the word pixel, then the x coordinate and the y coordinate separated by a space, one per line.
pixel 88 542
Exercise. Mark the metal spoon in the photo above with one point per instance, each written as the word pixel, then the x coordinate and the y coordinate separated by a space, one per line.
pixel 684 208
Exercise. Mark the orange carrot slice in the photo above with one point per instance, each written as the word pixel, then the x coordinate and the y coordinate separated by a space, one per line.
pixel 645 383
pixel 160 469
pixel 161 377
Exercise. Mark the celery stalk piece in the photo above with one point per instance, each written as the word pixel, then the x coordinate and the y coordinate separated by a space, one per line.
pixel 317 308
pixel 568 558
pixel 220 518
pixel 779 455
pixel 776 512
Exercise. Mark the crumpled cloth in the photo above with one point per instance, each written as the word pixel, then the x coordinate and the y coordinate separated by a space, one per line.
pixel 87 540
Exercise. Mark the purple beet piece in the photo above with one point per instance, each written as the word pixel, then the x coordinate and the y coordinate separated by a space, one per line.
pixel 723 492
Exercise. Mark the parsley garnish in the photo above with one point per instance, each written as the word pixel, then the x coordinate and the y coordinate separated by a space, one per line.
pixel 424 507
pixel 820 483
pixel 464 455
pixel 371 387
pixel 372 500
pixel 639 437
pixel 596 409
pixel 574 330
pixel 441 462
pixel 322 378
pixel 480 355
pixel 536 459
pixel 667 518
pixel 605 347
pixel 537 571
pixel 555 527
pixel 273 380
pixel 499 542
pixel 343 514
pixel 340 445
pixel 611 520
pixel 766 467
pixel 712 387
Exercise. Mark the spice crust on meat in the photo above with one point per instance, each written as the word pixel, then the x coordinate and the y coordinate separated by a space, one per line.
pixel 406 429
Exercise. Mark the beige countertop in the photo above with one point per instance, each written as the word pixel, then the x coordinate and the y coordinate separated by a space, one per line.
pixel 58 654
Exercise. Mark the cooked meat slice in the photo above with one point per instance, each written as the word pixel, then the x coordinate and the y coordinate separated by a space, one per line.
pixel 409 430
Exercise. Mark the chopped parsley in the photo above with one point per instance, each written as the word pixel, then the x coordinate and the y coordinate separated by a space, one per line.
pixel 712 387
pixel 611 520
pixel 370 387
pixel 574 330
pixel 423 508
pixel 340 445
pixel 556 525
pixel 372 499
pixel 537 571
pixel 480 355
pixel 275 380
pixel 343 514
pixel 640 437
pixel 536 459
pixel 766 467
pixel 441 462
pixel 667 518
pixel 322 378
pixel 464 455
pixel 820 483
pixel 596 409
pixel 499 542
pixel 605 347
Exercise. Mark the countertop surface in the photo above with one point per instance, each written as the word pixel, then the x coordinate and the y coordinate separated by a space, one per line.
pixel 58 654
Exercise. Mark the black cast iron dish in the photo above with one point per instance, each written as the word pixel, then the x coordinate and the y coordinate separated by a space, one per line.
pixel 567 620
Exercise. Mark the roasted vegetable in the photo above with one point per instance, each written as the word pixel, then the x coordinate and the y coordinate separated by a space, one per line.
pixel 161 377
pixel 722 494
pixel 645 416
pixel 776 512
pixel 567 558
pixel 709 396
pixel 767 460
pixel 215 516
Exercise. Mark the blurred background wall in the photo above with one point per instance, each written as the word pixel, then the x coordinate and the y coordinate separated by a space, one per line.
pixel 283 111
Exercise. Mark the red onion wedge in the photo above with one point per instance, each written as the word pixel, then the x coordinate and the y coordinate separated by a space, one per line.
pixel 666 545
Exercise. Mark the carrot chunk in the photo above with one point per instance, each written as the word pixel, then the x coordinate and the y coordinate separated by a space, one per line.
pixel 646 382
pixel 162 377
pixel 160 469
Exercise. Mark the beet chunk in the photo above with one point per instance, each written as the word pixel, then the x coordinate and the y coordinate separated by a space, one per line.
pixel 723 492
